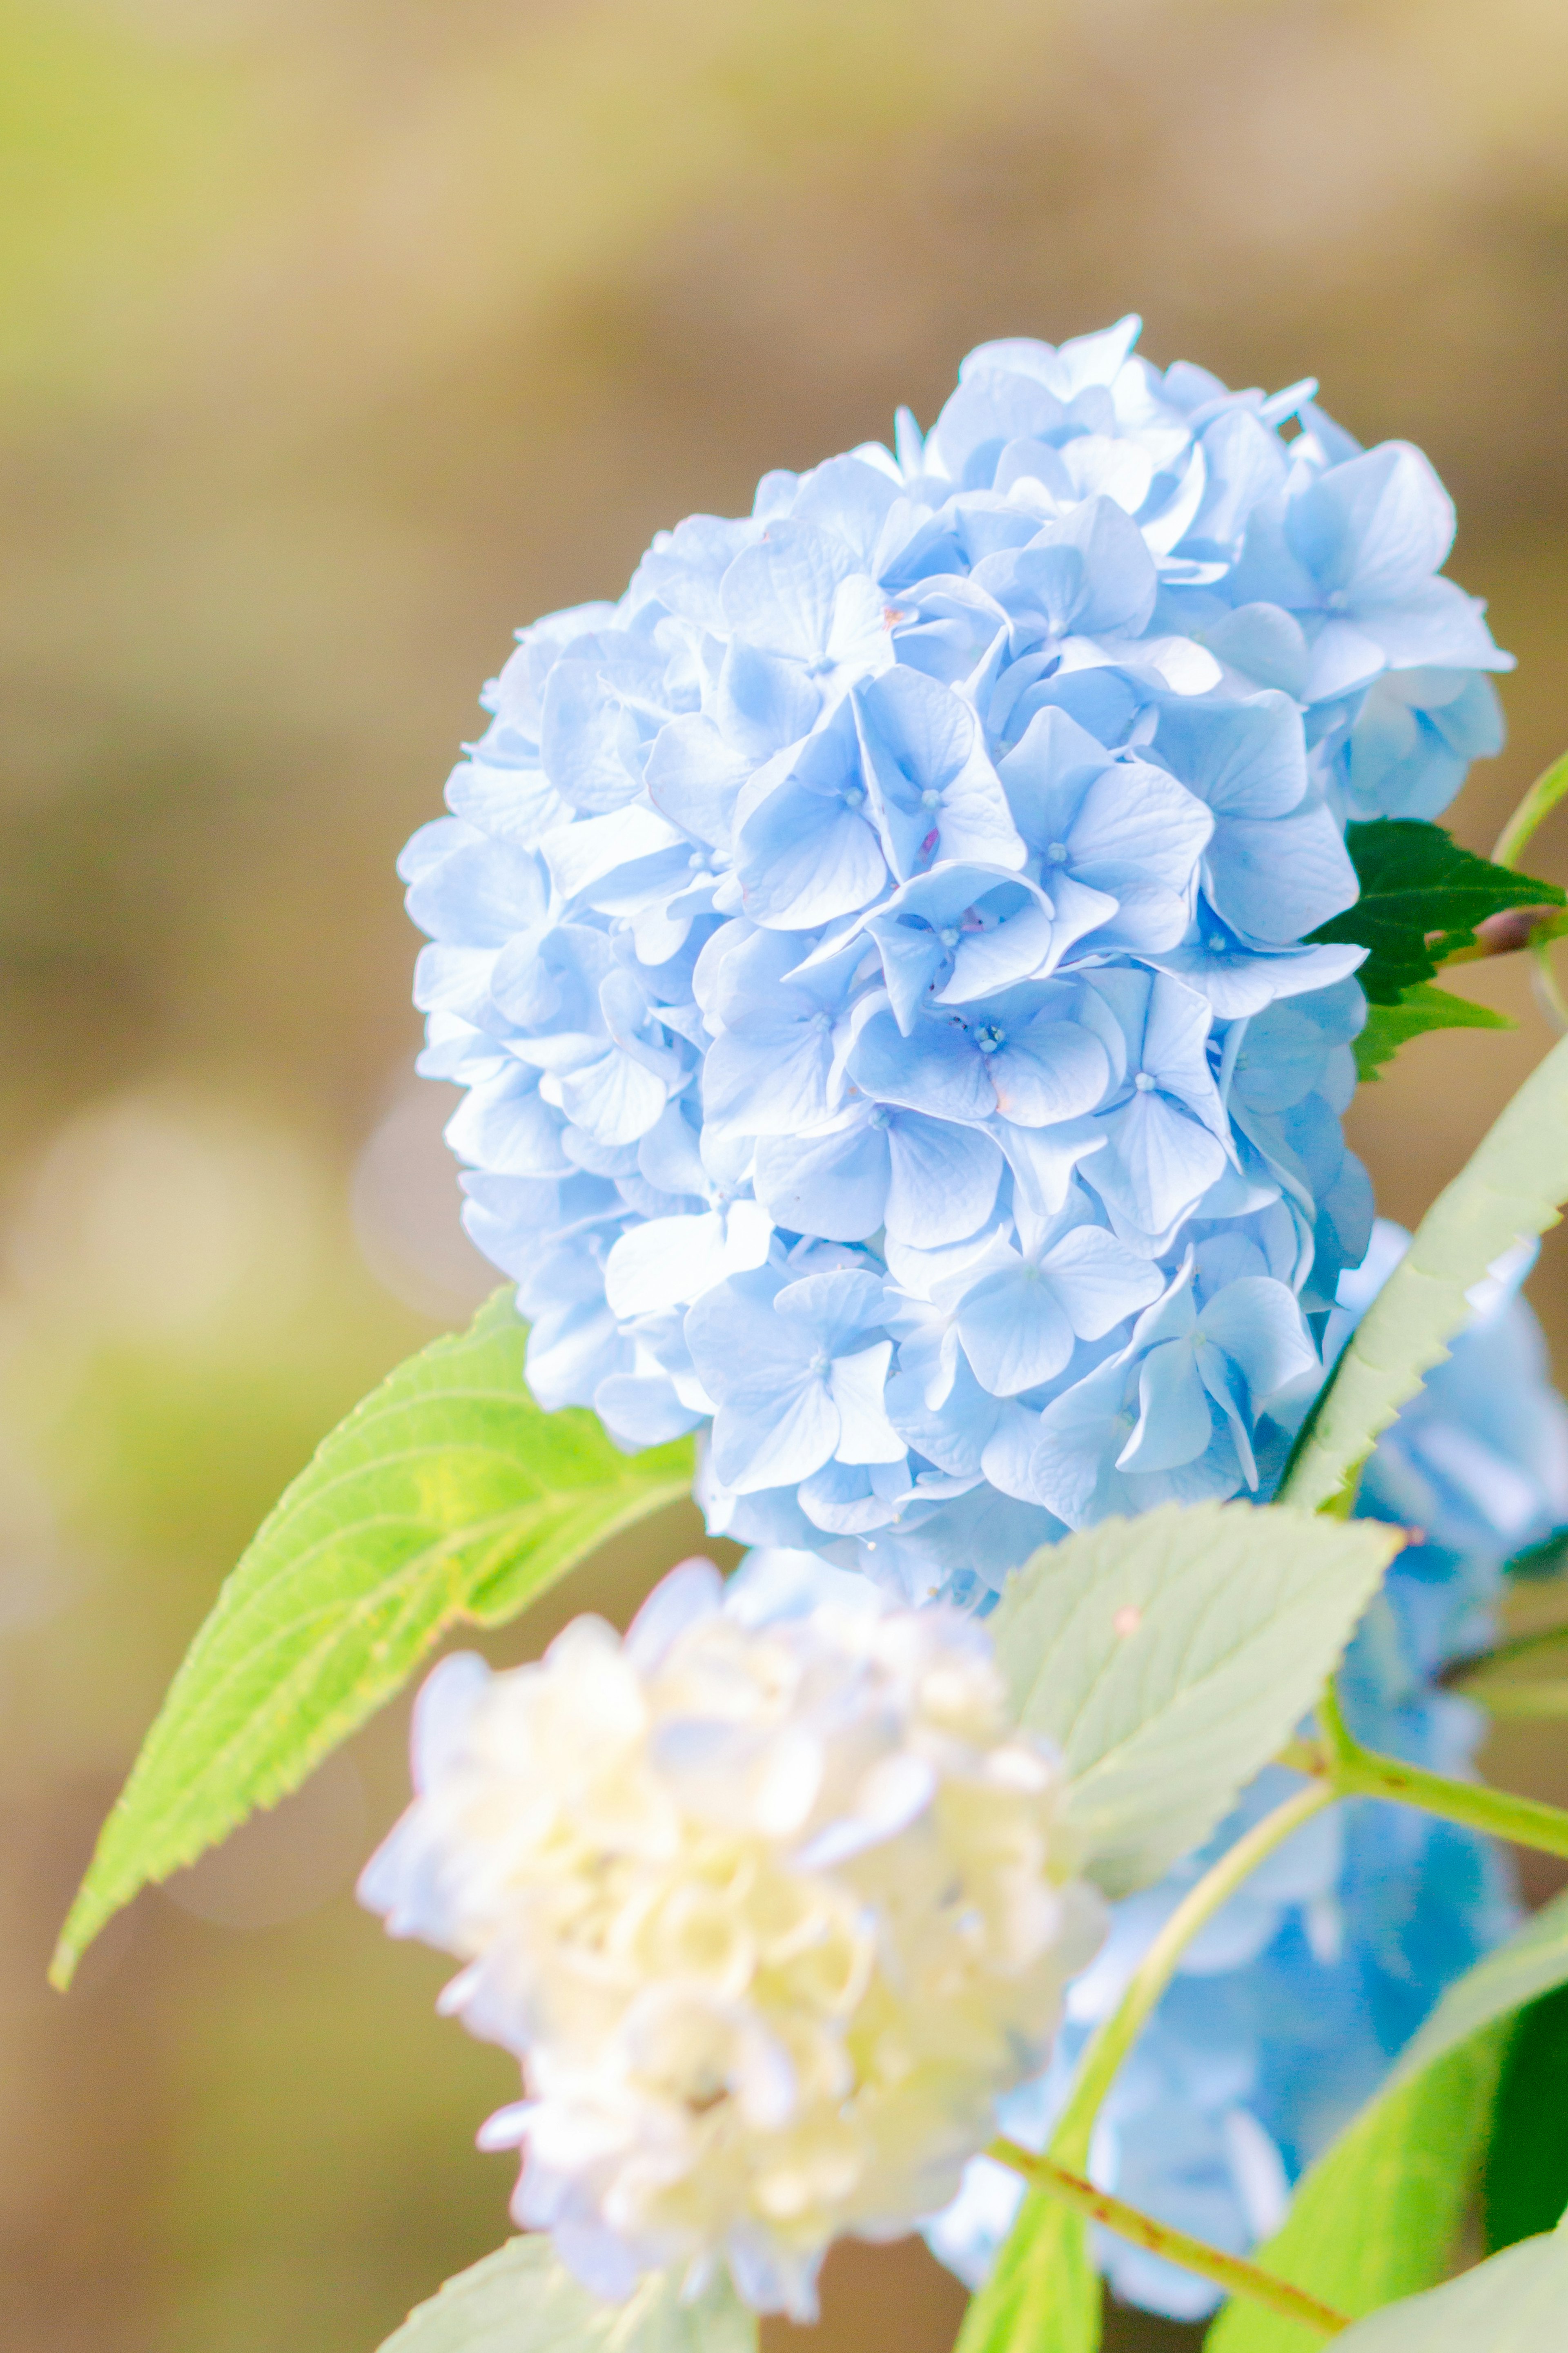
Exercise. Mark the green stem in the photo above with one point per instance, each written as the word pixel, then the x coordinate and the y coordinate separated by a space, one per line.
pixel 1343 1745
pixel 1548 993
pixel 1230 2272
pixel 1538 803
pixel 1070 2140
pixel 1349 1770
pixel 1523 1822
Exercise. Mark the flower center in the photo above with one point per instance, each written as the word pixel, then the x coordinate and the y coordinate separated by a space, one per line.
pixel 1056 851
pixel 991 1036
pixel 1143 1082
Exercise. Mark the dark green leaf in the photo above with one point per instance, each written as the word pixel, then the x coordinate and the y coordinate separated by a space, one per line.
pixel 1421 897
pixel 445 1496
pixel 1421 1007
pixel 1044 2295
pixel 1526 2182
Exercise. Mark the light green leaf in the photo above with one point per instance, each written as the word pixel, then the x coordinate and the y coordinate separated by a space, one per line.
pixel 1511 1190
pixel 1376 2216
pixel 1516 2303
pixel 522 2300
pixel 1389 1026
pixel 445 1496
pixel 1169 1657
pixel 1043 2295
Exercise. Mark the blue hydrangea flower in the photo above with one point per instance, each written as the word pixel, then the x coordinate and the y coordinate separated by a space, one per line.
pixel 873 950
pixel 1289 2007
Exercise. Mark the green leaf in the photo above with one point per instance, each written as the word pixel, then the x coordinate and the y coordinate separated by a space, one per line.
pixel 1169 1657
pixel 1421 897
pixel 445 1496
pixel 1525 2188
pixel 1388 1026
pixel 522 2300
pixel 1376 2216
pixel 1514 2304
pixel 1043 2295
pixel 1510 1190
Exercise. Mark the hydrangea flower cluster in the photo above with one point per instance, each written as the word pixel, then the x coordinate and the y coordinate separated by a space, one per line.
pixel 874 952
pixel 1288 2008
pixel 770 1899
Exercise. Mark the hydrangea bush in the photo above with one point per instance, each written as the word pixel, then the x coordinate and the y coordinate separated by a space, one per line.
pixel 906 964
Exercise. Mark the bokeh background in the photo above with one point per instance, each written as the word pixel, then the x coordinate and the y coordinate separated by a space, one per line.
pixel 338 337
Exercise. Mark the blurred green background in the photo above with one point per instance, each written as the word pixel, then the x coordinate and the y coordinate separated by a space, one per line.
pixel 336 339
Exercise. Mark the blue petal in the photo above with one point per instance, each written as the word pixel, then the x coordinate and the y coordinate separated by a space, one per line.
pixel 779 594
pixel 1376 526
pixel 1013 1330
pixel 835 1186
pixel 944 1180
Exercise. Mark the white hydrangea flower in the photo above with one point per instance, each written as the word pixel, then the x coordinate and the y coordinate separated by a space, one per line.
pixel 771 1908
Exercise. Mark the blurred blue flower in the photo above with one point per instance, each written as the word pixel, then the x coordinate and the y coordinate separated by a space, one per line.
pixel 900 897
pixel 1290 2006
